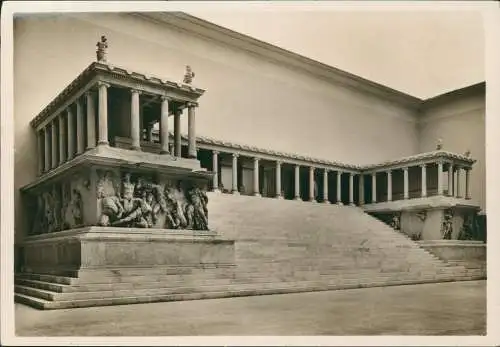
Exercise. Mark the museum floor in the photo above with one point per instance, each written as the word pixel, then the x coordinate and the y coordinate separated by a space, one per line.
pixel 457 308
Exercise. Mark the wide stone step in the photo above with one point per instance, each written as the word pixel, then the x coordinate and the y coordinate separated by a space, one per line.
pixel 280 288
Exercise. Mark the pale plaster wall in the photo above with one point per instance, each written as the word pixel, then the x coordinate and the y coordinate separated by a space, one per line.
pixel 461 124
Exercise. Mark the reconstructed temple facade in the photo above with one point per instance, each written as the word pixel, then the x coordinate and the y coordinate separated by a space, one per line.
pixel 121 192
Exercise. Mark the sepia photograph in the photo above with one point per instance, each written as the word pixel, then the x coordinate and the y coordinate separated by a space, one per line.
pixel 253 169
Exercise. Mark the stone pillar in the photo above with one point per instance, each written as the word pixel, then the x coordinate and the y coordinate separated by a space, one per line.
pixel 256 177
pixel 311 184
pixel 54 143
pixel 325 187
pixel 235 174
pixel 177 133
pixel 339 187
pixel 450 179
pixel 80 134
pixel 374 187
pixel 71 134
pixel 361 189
pixel 164 136
pixel 278 180
pixel 91 136
pixel 103 114
pixel 135 120
pixel 389 185
pixel 406 185
pixel 62 139
pixel 191 131
pixel 215 169
pixel 424 180
pixel 458 193
pixel 351 189
pixel 40 154
pixel 47 161
pixel 467 183
pixel 297 183
pixel 440 178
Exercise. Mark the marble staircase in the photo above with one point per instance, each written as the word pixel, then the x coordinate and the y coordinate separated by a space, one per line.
pixel 281 247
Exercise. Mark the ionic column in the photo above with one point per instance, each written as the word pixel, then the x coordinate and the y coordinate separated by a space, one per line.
pixel 339 187
pixel 40 153
pixel 361 189
pixel 297 182
pixel 278 180
pixel 406 185
pixel 440 178
pixel 91 136
pixel 424 180
pixel 164 136
pixel 47 161
pixel 71 134
pixel 458 193
pixel 450 179
pixel 325 187
pixel 80 136
pixel 62 139
pixel 54 143
pixel 256 177
pixel 135 120
pixel 311 185
pixel 351 189
pixel 374 187
pixel 215 169
pixel 191 131
pixel 467 183
pixel 103 114
pixel 389 185
pixel 177 133
pixel 235 174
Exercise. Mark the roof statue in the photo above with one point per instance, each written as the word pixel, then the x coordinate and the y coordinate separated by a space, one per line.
pixel 189 75
pixel 102 47
pixel 467 153
pixel 439 145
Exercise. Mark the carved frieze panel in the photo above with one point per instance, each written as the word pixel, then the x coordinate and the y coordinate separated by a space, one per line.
pixel 447 225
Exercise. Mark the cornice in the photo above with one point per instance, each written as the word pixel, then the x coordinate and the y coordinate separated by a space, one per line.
pixel 187 23
pixel 471 90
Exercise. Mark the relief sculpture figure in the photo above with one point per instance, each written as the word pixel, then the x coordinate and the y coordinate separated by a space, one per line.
pixel 196 210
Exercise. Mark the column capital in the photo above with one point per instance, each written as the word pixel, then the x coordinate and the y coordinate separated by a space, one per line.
pixel 424 165
pixel 164 98
pixel 326 170
pixel 374 174
pixel 68 109
pixel 103 84
pixel 191 104
pixel 214 151
pixel 406 168
pixel 256 159
pixel 311 168
pixel 235 155
pixel 279 162
pixel 135 91
pixel 388 171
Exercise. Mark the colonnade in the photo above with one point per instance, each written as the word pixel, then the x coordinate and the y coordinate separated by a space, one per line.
pixel 62 137
pixel 455 173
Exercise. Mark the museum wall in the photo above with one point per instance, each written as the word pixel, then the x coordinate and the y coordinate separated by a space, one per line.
pixel 460 123
pixel 248 100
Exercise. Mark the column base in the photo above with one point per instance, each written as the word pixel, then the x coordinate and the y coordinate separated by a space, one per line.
pixel 192 156
pixel 297 198
pixel 279 197
pixel 135 148
pixel 235 192
pixel 216 190
pixel 339 203
pixel 102 143
pixel 352 204
pixel 164 152
pixel 326 202
pixel 257 195
pixel 312 200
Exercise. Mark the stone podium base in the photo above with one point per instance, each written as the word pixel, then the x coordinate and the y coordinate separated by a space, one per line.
pixel 73 252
